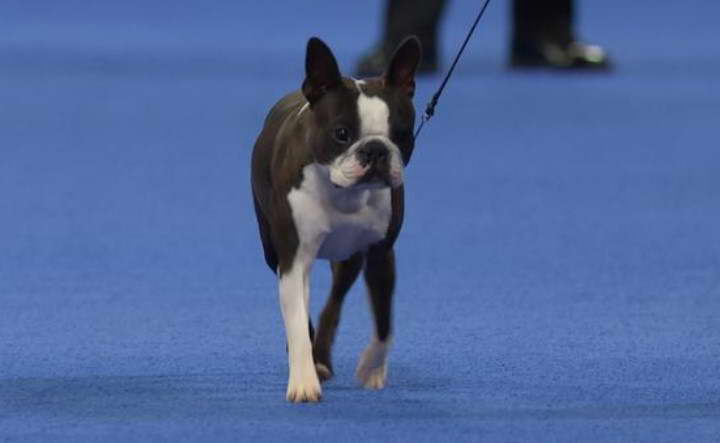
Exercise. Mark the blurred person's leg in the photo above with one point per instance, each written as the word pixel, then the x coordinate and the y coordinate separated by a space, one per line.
pixel 403 18
pixel 543 36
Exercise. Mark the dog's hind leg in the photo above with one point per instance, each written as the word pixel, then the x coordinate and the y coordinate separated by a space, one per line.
pixel 344 275
pixel 271 257
pixel 380 280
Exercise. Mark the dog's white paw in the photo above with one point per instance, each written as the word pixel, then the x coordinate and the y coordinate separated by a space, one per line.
pixel 372 378
pixel 302 391
pixel 372 369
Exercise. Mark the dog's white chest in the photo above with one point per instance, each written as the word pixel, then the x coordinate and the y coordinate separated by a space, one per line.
pixel 338 222
pixel 350 233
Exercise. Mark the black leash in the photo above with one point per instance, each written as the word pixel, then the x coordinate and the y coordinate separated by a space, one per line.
pixel 430 109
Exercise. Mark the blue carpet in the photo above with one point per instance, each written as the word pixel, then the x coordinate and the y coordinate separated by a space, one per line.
pixel 559 267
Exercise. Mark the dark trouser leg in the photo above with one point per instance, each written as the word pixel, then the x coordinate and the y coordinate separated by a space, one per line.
pixel 344 275
pixel 380 279
pixel 404 18
pixel 543 19
pixel 413 17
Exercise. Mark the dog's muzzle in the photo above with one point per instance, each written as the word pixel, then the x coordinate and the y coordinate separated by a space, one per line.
pixel 375 157
pixel 373 154
pixel 374 162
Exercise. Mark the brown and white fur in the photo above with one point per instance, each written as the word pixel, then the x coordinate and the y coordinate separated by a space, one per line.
pixel 327 181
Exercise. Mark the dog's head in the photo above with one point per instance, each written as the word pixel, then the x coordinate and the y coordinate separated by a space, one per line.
pixel 362 130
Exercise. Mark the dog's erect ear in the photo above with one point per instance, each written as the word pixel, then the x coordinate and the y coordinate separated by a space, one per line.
pixel 403 64
pixel 321 70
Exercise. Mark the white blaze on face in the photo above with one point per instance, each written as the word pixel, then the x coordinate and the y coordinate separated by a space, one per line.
pixel 374 115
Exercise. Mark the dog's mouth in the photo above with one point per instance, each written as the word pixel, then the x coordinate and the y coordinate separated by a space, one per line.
pixel 376 183
pixel 375 177
pixel 350 174
pixel 372 179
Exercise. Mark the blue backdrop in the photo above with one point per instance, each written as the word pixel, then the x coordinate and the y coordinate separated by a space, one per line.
pixel 559 270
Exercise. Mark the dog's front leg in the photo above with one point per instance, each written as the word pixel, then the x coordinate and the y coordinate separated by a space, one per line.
pixel 303 382
pixel 380 280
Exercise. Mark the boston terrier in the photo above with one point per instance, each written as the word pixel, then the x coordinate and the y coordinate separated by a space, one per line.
pixel 327 182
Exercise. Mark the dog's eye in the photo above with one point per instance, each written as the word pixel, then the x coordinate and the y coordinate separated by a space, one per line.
pixel 342 134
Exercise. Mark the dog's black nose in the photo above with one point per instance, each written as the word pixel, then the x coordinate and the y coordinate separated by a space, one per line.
pixel 372 153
